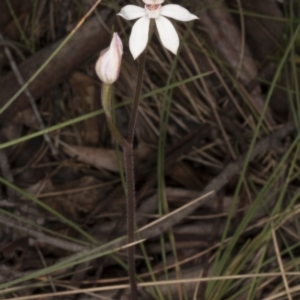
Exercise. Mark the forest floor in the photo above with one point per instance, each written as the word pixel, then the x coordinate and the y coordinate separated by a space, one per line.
pixel 216 151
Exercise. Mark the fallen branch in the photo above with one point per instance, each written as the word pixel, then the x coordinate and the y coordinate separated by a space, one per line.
pixel 87 41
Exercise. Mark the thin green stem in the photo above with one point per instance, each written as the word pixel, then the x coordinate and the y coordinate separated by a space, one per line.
pixel 106 103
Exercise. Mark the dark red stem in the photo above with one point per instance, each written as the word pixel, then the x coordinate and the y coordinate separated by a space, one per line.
pixel 129 170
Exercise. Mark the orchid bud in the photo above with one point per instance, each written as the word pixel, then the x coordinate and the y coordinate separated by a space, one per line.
pixel 108 64
pixel 153 2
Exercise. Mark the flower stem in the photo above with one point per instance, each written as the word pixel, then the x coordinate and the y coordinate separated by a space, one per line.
pixel 130 183
pixel 127 146
pixel 137 96
pixel 130 197
pixel 138 88
pixel 106 103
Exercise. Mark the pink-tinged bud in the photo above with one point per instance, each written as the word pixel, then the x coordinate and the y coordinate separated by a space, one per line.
pixel 153 2
pixel 108 64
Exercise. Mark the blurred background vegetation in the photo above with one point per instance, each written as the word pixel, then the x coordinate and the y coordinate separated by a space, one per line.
pixel 221 116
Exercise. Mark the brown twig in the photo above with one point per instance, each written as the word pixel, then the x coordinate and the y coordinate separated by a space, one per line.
pixel 41 237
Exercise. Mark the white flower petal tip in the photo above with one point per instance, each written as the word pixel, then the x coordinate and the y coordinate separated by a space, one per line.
pixel 131 12
pixel 153 2
pixel 167 34
pixel 177 12
pixel 139 36
pixel 108 64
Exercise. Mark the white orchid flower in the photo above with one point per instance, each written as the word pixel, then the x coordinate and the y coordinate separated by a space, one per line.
pixel 108 64
pixel 154 10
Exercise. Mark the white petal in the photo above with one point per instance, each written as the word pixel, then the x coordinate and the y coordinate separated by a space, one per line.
pixel 139 36
pixel 131 12
pixel 177 12
pixel 167 34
